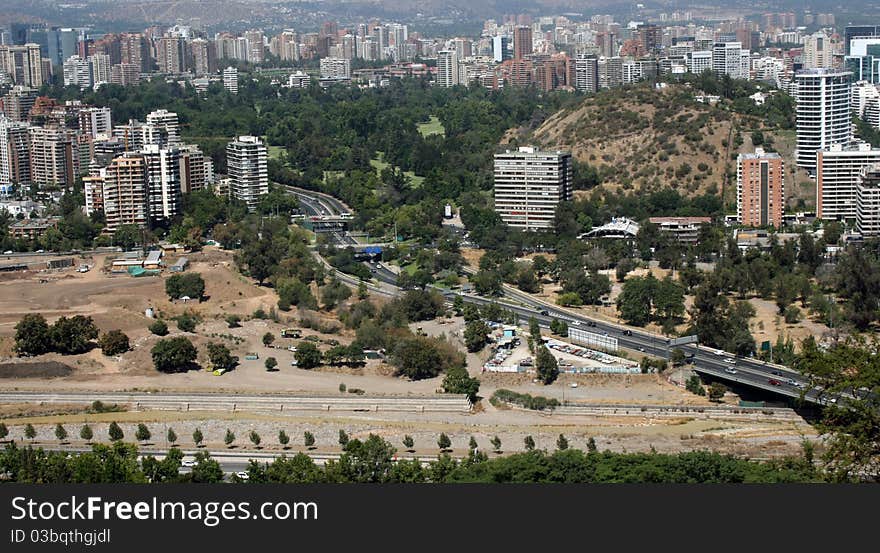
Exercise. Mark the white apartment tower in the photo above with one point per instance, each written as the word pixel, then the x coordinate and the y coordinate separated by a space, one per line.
pixel 838 171
pixel 447 68
pixel 163 181
pixel 823 113
pixel 868 202
pixel 166 123
pixel 729 58
pixel 529 185
pixel 246 161
pixel 230 79
pixel 335 68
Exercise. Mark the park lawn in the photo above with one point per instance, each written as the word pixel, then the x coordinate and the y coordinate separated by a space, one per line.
pixel 379 164
pixel 433 126
pixel 274 152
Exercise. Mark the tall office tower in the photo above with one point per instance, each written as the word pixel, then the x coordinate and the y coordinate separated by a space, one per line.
pixel 699 61
pixel 760 189
pixel 610 72
pixel 167 123
pixel 99 65
pixel 15 154
pixel 256 47
pixel 651 38
pixel 125 74
pixel 133 50
pixel 529 186
pixel 817 51
pixel 163 181
pixel 230 79
pixel 586 74
pixel 204 56
pixel 729 58
pixel 246 167
pixel 335 68
pixel 94 121
pixel 77 72
pixel 380 35
pixel 125 192
pixel 853 31
pixel 194 169
pixel 823 113
pixel 500 48
pixel 17 103
pixel 447 68
pixel 170 55
pixel 23 64
pixel 53 162
pixel 348 47
pixel 837 178
pixel 522 42
pixel 463 47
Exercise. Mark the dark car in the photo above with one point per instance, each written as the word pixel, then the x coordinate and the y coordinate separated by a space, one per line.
pixel 627 332
pixel 774 382
pixel 544 312
pixel 777 373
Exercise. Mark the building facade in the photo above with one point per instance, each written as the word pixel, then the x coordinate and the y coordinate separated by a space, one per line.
pixel 760 189
pixel 529 186
pixel 246 161
pixel 823 113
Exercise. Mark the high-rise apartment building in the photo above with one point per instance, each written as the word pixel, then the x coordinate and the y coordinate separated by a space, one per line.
pixel 586 74
pixel 823 113
pixel 838 170
pixel 163 181
pixel 246 161
pixel 335 68
pixel 15 154
pixel 125 192
pixel 230 79
pixel 529 186
pixel 729 58
pixel 868 201
pixel 77 72
pixel 522 42
pixel 204 56
pixel 17 103
pixel 94 121
pixel 167 125
pixel 447 68
pixel 171 55
pixel 760 189
pixel 817 51
pixel 23 64
pixel 100 67
pixel 256 46
pixel 53 158
pixel 195 169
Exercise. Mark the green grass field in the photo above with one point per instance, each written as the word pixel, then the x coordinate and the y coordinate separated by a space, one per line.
pixel 274 151
pixel 379 164
pixel 434 126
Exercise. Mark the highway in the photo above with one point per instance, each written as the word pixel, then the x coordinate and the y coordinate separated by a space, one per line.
pixel 716 364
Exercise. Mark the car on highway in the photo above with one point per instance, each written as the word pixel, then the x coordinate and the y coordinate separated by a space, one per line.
pixel 719 352
pixel 575 323
pixel 730 370
pixel 730 361
pixel 774 382
pixel 776 373
pixel 242 475
pixel 7 252
pixel 544 312
pixel 793 382
pixel 627 332
pixel 188 463
pixel 641 349
pixel 591 323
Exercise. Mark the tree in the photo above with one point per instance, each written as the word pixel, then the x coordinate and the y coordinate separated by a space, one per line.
pixel 309 439
pixel 185 285
pixel 198 437
pixel 695 386
pixel 32 335
pixel 476 335
pixel 142 434
pixel 307 355
pixel 635 300
pixel 115 432
pixel 114 342
pixel 458 381
pixel 30 432
pixel 86 433
pixel 229 438
pixel 268 339
pixel 60 433
pixel 676 356
pixel 716 391
pixel 171 436
pixel 159 327
pixel 172 355
pixel 487 283
pixel 254 438
pixel 472 444
pixel 343 438
pixel 496 444
pixel 443 442
pixel 271 363
pixel 73 335
pixel 561 443
pixel 186 322
pixel 233 321
pixel 4 431
pixel 283 439
pixel 126 236
pixel 529 443
pixel 220 357
pixel 559 328
pixel 206 470
pixel 546 365
pixel 591 445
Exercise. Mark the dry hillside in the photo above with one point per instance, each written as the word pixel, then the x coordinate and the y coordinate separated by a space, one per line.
pixel 641 138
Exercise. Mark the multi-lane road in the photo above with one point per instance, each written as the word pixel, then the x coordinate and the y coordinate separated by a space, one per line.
pixel 717 364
